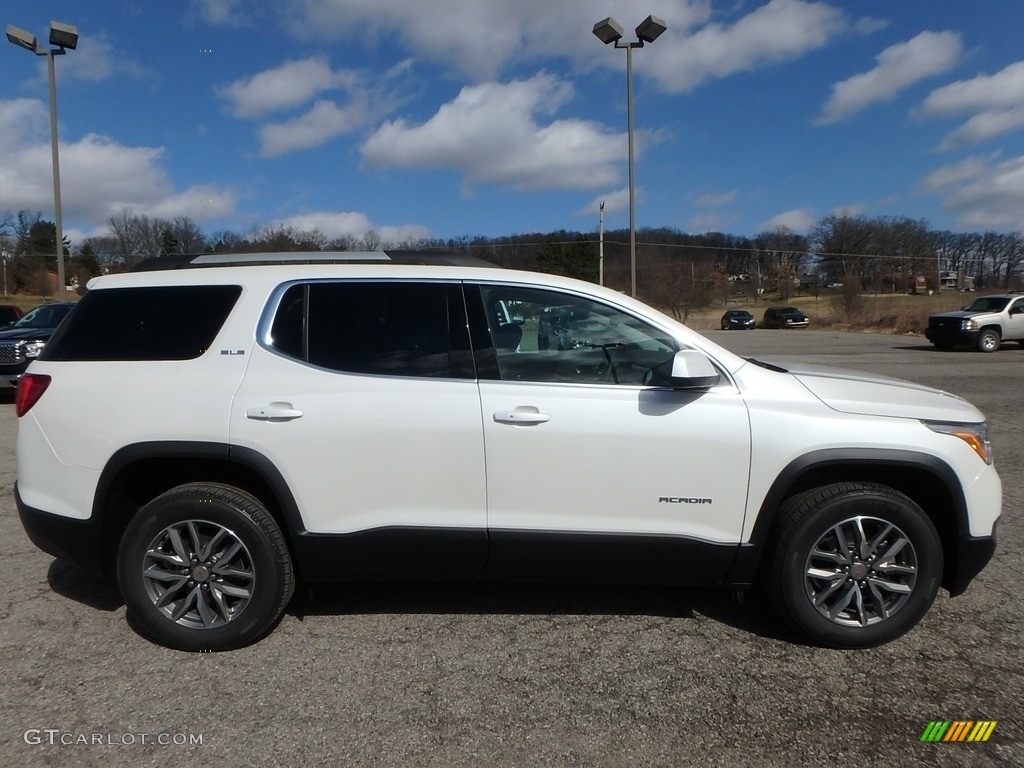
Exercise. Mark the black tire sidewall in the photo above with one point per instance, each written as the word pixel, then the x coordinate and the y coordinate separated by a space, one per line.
pixel 903 514
pixel 258 615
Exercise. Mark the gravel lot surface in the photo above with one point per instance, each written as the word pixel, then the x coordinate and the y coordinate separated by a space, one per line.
pixel 399 675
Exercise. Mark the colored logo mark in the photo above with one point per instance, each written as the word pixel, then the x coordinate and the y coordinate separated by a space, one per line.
pixel 958 730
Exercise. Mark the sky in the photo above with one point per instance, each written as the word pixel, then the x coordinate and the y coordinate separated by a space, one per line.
pixel 461 118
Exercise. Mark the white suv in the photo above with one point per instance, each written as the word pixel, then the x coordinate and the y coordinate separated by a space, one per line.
pixel 215 434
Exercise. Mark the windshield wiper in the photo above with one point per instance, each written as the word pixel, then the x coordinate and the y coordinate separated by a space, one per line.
pixel 769 366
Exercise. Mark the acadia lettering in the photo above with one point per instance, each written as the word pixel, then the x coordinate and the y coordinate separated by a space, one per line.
pixel 682 500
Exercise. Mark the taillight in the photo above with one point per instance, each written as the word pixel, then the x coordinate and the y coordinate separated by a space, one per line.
pixel 30 388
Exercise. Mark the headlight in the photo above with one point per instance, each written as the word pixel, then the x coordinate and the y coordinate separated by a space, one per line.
pixel 975 435
pixel 969 325
pixel 33 348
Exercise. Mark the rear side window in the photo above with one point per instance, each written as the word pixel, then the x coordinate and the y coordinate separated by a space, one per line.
pixel 385 328
pixel 152 323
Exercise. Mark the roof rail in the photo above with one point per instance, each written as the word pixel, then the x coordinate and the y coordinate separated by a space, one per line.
pixel 288 257
pixel 433 258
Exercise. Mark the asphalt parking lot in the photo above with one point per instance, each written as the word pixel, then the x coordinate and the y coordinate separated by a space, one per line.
pixel 428 675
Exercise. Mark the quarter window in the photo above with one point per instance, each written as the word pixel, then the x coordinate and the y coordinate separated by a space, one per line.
pixel 152 323
pixel 553 337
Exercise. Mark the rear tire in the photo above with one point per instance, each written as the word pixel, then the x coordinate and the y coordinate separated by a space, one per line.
pixel 854 565
pixel 204 567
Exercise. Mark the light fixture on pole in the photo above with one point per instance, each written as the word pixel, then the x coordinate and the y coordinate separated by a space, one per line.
pixel 610 31
pixel 63 36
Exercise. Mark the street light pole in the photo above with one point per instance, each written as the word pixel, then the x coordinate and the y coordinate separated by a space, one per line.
pixel 632 170
pixel 62 36
pixel 600 244
pixel 58 219
pixel 610 31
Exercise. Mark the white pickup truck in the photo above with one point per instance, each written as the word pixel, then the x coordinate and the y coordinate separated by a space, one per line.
pixel 983 324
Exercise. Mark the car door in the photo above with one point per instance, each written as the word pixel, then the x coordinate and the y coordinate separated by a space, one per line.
pixel 596 467
pixel 1015 322
pixel 362 395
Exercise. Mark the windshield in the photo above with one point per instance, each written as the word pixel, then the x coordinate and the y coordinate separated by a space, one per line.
pixel 988 304
pixel 46 316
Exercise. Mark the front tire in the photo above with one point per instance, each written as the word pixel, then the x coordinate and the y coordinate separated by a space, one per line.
pixel 988 340
pixel 854 565
pixel 204 567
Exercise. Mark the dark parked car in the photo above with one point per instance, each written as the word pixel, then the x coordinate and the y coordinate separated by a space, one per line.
pixel 22 342
pixel 738 319
pixel 9 313
pixel 784 317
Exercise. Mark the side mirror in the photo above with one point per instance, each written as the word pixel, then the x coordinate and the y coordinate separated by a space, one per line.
pixel 691 369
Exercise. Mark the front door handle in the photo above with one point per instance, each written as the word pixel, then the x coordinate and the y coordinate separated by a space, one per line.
pixel 523 415
pixel 273 412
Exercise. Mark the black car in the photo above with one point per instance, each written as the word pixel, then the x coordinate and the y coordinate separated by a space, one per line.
pixel 738 319
pixel 22 342
pixel 784 317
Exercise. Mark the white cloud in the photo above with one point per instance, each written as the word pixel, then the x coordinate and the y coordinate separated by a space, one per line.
pixel 615 202
pixel 290 85
pixel 202 202
pixel 983 193
pixel 339 224
pixel 481 37
pixel 491 134
pixel 711 200
pixel 93 61
pixel 98 175
pixel 781 30
pixel 851 211
pixel 321 124
pixel 1002 90
pixel 711 222
pixel 22 121
pixel 224 13
pixel 950 175
pixel 799 220
pixel 995 99
pixel 983 126
pixel 869 25
pixel 96 60
pixel 899 67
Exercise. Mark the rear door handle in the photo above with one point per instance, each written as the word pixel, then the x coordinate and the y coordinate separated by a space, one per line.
pixel 523 415
pixel 273 412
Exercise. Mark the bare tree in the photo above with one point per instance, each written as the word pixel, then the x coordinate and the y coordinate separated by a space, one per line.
pixel 188 236
pixel 781 254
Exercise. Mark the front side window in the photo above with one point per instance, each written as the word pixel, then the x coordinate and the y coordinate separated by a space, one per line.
pixel 553 337
pixel 388 328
